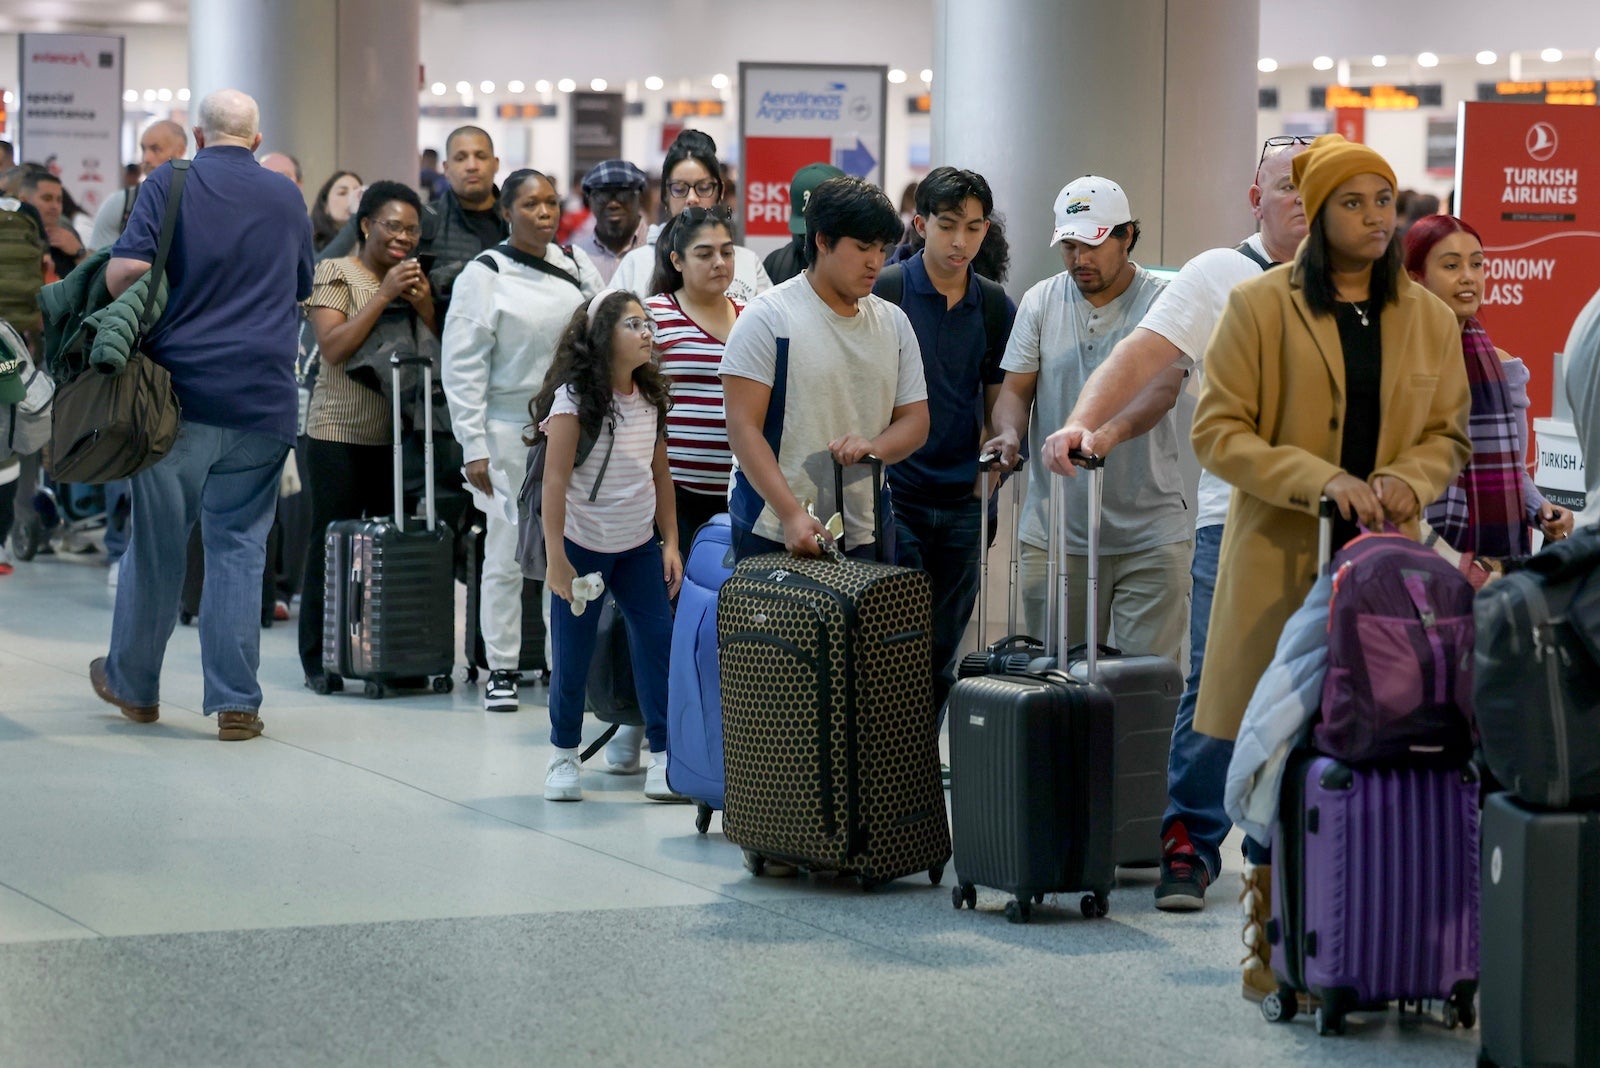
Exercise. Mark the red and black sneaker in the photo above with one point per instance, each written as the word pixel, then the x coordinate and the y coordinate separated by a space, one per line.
pixel 1184 877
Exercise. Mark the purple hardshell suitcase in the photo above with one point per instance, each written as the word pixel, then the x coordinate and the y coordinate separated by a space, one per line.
pixel 1375 889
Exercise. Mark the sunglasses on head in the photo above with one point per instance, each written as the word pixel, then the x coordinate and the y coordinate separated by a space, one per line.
pixel 1282 141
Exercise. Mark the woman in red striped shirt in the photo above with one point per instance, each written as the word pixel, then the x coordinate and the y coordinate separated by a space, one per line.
pixel 693 316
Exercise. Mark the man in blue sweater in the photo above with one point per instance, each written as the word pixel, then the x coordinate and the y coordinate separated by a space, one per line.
pixel 240 264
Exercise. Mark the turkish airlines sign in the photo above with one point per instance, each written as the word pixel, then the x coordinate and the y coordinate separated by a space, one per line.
pixel 1529 182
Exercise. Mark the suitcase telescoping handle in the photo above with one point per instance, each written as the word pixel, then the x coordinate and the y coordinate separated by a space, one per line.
pixel 877 501
pixel 1095 465
pixel 987 463
pixel 1057 568
pixel 1325 514
pixel 396 362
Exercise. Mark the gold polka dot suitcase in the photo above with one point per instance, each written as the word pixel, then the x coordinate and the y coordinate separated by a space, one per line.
pixel 830 741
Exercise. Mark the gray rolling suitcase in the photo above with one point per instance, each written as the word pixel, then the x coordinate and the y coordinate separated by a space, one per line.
pixel 1145 691
pixel 389 614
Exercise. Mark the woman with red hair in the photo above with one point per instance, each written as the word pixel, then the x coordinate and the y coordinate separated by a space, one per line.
pixel 1490 507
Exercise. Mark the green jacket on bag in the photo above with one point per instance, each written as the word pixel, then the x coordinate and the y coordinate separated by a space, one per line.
pixel 85 327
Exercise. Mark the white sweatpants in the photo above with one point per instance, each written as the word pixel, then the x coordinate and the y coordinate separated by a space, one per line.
pixel 500 587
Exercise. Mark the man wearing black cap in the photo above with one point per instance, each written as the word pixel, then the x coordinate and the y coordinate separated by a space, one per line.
pixel 613 190
pixel 784 263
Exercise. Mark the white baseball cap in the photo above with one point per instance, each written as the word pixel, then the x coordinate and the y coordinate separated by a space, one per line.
pixel 1088 209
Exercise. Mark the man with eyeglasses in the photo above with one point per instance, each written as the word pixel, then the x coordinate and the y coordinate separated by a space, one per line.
pixel 613 191
pixel 1174 332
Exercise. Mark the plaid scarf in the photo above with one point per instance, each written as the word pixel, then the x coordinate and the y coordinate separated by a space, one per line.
pixel 1482 512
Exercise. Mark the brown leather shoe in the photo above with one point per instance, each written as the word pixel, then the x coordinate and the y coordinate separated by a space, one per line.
pixel 137 713
pixel 238 726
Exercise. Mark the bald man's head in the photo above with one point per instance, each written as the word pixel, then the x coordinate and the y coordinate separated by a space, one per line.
pixel 161 141
pixel 228 116
pixel 283 164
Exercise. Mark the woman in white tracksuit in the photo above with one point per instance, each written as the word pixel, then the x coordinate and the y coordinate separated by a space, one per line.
pixel 508 311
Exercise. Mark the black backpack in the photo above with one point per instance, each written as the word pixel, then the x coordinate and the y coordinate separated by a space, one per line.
pixel 891 286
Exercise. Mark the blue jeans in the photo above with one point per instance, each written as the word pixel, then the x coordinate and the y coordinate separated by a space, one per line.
pixel 634 578
pixel 1197 770
pixel 942 539
pixel 231 478
pixel 117 525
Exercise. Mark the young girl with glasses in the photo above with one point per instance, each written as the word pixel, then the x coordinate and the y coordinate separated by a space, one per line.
pixel 613 515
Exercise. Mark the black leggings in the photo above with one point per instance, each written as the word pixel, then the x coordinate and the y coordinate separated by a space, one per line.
pixel 344 482
pixel 693 511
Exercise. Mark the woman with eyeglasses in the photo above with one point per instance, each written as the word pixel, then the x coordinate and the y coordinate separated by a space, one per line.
pixel 690 178
pixel 349 471
pixel 507 313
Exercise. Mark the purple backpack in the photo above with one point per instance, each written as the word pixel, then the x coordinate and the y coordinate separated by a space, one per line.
pixel 1399 682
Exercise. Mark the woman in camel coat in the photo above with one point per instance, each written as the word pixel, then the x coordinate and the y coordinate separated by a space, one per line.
pixel 1273 412
pixel 1335 376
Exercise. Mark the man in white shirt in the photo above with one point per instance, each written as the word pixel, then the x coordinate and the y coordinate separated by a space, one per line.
pixel 819 370
pixel 1175 333
pixel 160 142
pixel 1066 326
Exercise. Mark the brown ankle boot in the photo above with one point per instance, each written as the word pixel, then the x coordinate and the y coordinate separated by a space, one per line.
pixel 1257 901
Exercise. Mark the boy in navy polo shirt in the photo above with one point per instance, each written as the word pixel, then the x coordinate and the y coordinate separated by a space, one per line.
pixel 937 490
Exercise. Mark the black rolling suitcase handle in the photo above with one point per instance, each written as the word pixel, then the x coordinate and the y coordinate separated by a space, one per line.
pixel 877 500
pixel 1096 467
pixel 396 362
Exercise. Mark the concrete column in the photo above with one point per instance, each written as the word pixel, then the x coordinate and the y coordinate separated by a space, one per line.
pixel 336 79
pixel 1158 95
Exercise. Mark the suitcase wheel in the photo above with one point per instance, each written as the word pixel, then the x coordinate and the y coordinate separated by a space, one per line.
pixel 373 689
pixel 755 863
pixel 186 618
pixel 470 674
pixel 702 816
pixel 1018 911
pixel 443 684
pixel 1038 899
pixel 964 894
pixel 1094 906
pixel 1280 1006
pixel 1459 1011
pixel 1486 1061
pixel 1329 1022
pixel 936 874
pixel 867 883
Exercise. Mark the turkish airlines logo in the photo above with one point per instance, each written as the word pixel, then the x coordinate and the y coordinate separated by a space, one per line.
pixel 1541 141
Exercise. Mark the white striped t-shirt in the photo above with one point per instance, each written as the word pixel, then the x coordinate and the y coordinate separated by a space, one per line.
pixel 622 515
pixel 697 427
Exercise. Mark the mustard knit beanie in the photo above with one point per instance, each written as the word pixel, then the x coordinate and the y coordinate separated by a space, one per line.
pixel 1329 163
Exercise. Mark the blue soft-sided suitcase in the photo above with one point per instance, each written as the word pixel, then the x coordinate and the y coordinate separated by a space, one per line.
pixel 694 695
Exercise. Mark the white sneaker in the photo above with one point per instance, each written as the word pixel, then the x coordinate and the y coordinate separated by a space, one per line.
pixel 655 781
pixel 112 572
pixel 500 692
pixel 622 751
pixel 561 777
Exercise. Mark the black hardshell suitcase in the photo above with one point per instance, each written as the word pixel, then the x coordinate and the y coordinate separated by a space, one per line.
pixel 829 735
pixel 1032 768
pixel 389 617
pixel 1539 946
pixel 530 660
pixel 1145 690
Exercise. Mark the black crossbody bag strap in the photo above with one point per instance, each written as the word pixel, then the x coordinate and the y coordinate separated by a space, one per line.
pixel 169 225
